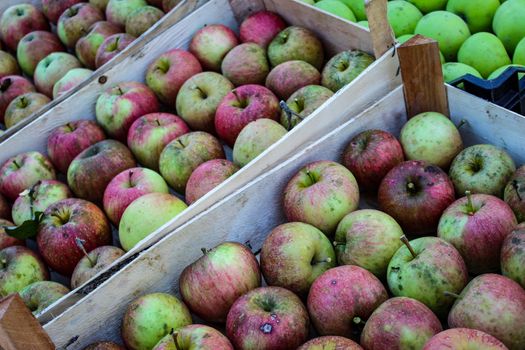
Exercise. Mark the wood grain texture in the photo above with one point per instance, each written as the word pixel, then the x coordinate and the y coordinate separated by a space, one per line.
pixel 422 76
pixel 382 35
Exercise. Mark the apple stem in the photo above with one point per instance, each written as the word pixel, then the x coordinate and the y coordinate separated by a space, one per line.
pixel 175 335
pixel 337 244
pixel 310 176
pixel 405 241
pixel 462 123
pixel 470 205
pixel 327 260
pixel 204 251
pixel 16 164
pixel 453 295
pixel 119 88
pixel 289 113
pixel 70 127
pixel 80 243
pixel 157 121
pixel 130 179
pixel 357 320
pixel 180 143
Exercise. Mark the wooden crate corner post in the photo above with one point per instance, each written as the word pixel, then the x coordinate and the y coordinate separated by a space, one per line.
pixel 380 30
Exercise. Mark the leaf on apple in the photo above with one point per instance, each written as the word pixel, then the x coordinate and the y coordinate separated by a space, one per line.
pixel 28 229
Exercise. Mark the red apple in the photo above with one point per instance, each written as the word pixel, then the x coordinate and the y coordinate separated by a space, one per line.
pixel 290 76
pixel 72 79
pixel 8 65
pixel 87 46
pixel 20 267
pixel 11 87
pixel 513 255
pixel 195 336
pixel 54 8
pixel 96 261
pixel 5 210
pixel 142 19
pixel 463 339
pixel 330 342
pixel 23 106
pixel 5 239
pixel 207 176
pixel 17 21
pixel 112 46
pixel 246 64
pixel 34 47
pixel 51 69
pixel 261 27
pixel 211 43
pixel 75 22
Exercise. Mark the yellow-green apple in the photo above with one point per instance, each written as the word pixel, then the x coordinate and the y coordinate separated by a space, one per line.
pixel 100 4
pixel 23 171
pixel 482 169
pixel 199 97
pixel 87 46
pixel 112 46
pixel 514 193
pixel 120 105
pixel 357 7
pixel 95 261
pixel 92 169
pixel 207 176
pixel 5 239
pixel 370 155
pixel 342 297
pixel 427 6
pixel 367 238
pixel 296 43
pixel 142 19
pixel 211 43
pixel 38 198
pixel 290 76
pixel 363 24
pixel 400 323
pixel 302 103
pixel 5 210
pixel 118 11
pixel 261 27
pixel 519 53
pixel 104 345
pixel 72 79
pixel 184 154
pixel 478 15
pixel 321 194
pixel 485 52
pixel 447 28
pixel 330 342
pixel 415 194
pixel 35 46
pixel 344 67
pixel 403 17
pixel 51 69
pixel 337 8
pixel 39 295
pixel 242 106
pixel 463 339
pixel 151 317
pixel 195 336
pixel 24 106
pixel 255 138
pixel 145 215
pixel 493 304
pixel 19 267
pixel 169 71
pixel 149 134
pixel 128 186
pixel 17 21
pixel 513 255
pixel 211 284
pixel 67 141
pixel 271 317
pixel 8 65
pixel 11 87
pixel 75 22
pixel 294 255
pixel 53 8
pixel 455 70
pixel 424 270
pixel 502 69
pixel 506 23
pixel 246 64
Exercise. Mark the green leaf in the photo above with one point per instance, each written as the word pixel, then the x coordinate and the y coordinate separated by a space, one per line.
pixel 28 229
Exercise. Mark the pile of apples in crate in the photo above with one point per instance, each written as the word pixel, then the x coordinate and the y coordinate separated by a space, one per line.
pixel 184 151
pixel 57 48
pixel 457 284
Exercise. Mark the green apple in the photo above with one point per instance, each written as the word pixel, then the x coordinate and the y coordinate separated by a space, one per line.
pixel 427 6
pixel 337 8
pixel 309 2
pixel 508 23
pixel 39 295
pixel 304 102
pixel 344 67
pixel 448 29
pixel 19 267
pixel 455 70
pixel 363 24
pixel 357 7
pixel 484 52
pixel 478 14
pixel 500 70
pixel 403 17
pixel 519 53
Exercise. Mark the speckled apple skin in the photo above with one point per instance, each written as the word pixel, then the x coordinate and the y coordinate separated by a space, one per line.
pixel 261 27
pixel 513 255
pixel 195 336
pixel 330 342
pixel 464 339
pixel 39 295
pixel 207 176
pixel 290 76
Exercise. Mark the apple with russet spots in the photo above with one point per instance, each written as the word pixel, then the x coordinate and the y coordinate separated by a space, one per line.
pixel 87 46
pixel 35 46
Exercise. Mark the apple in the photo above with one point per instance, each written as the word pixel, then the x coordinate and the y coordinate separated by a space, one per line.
pixel 37 199
pixel 142 19
pixel 211 284
pixel 519 53
pixel 149 134
pixel 403 17
pixel 111 47
pixel 400 323
pixel 199 97
pixel 513 255
pixel 5 239
pixel 104 345
pixel 485 52
pixel 211 43
pixel 35 46
pixel 290 76
pixel 19 267
pixel 514 194
pixel 246 64
pixel 337 8
pixel 357 7
pixel 255 138
pixel 342 297
pixel 100 4
pixel 330 342
pixel 67 141
pixel 195 336
pixel 24 106
pixel 39 295
pixel 415 194
pixel 464 339
pixel 505 23
pixel 17 21
pixel 51 69
pixel 8 65
pixel 321 194
pixel 184 154
pixel 427 6
pixel 207 176
pixel 53 8
pixel 72 79
pixel 271 317
pixel 145 215
pixel 120 105
pixel 447 28
pixel 11 87
pixel 128 186
pixel 94 262
pixel 493 304
pixel 242 106
pixel 296 43
pixel 150 317
pixel 344 67
pixel 261 27
pixel 118 11
pixel 87 46
pixel 23 171
pixel 482 169
pixel 367 238
pixel 93 168
pixel 294 255
pixel 5 209
pixel 302 103
pixel 75 22
pixel 169 71
pixel 502 69
pixel 455 70
pixel 478 15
